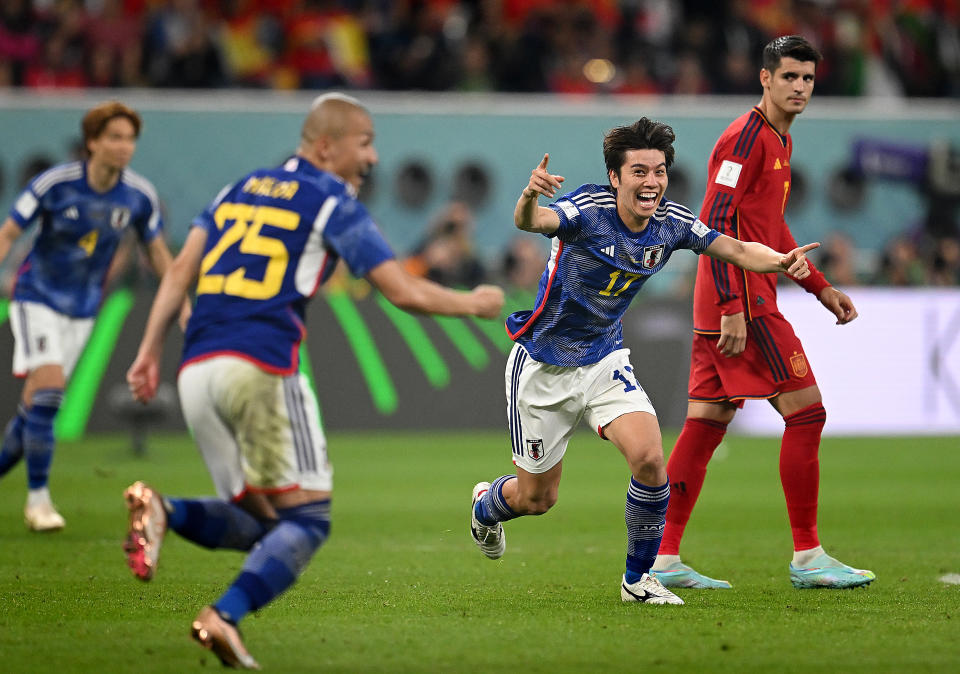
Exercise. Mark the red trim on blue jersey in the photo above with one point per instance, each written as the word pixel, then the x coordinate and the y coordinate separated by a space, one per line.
pixel 543 303
pixel 266 367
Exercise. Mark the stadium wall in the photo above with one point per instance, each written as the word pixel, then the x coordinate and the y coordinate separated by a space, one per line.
pixel 895 370
pixel 194 143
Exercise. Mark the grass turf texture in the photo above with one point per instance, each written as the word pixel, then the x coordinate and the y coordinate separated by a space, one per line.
pixel 400 587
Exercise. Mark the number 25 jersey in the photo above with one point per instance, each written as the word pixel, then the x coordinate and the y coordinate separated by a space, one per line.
pixel 273 238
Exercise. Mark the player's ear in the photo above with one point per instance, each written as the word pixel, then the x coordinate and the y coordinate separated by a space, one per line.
pixel 614 178
pixel 764 77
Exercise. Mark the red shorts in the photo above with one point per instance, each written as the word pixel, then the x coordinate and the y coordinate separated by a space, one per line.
pixel 773 362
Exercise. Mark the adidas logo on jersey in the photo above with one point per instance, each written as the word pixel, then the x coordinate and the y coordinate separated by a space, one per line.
pixel 607 250
pixel 72 213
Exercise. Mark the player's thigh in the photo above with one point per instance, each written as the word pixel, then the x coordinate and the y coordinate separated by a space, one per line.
pixel 276 423
pixel 545 403
pixel 613 390
pixel 43 336
pixel 214 438
pixel 782 352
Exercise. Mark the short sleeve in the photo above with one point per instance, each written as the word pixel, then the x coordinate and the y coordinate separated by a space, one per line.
pixel 26 207
pixel 355 237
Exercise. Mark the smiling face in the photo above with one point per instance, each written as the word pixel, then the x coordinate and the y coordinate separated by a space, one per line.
pixel 114 147
pixel 640 186
pixel 790 86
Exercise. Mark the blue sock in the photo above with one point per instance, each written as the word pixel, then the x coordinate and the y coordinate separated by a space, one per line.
pixel 279 559
pixel 213 523
pixel 12 450
pixel 492 507
pixel 38 435
pixel 645 512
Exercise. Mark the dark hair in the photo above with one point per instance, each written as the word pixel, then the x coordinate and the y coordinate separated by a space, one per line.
pixel 792 46
pixel 97 118
pixel 644 134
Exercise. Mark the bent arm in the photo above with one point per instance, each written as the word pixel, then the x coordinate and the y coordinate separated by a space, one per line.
pixel 419 295
pixel 528 214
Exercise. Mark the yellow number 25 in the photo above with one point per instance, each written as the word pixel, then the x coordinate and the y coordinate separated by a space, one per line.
pixel 247 222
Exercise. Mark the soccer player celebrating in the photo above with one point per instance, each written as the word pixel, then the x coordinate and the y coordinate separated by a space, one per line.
pixel 743 348
pixel 569 363
pixel 84 209
pixel 258 253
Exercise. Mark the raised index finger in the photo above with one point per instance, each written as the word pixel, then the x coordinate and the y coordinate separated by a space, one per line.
pixel 543 162
pixel 809 246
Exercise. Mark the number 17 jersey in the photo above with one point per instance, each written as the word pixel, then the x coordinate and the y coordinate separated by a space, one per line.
pixel 596 267
pixel 273 238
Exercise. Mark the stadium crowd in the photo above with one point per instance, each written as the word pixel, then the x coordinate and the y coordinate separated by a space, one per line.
pixel 871 47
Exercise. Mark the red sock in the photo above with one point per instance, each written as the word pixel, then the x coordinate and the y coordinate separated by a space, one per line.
pixel 686 469
pixel 800 472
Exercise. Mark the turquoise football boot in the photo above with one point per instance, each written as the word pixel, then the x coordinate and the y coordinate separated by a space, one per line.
pixel 826 572
pixel 681 575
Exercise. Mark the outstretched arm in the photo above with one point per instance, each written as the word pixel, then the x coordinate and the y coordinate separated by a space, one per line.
pixel 420 295
pixel 529 215
pixel 143 377
pixel 757 257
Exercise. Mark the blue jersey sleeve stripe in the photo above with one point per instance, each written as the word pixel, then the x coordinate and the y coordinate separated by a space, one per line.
pixel 58 174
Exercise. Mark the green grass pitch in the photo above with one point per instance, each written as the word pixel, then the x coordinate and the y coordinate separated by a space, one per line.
pixel 400 587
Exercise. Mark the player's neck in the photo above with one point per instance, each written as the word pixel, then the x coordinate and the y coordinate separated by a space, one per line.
pixel 779 119
pixel 100 177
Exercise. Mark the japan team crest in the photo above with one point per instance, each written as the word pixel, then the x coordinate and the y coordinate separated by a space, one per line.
pixel 799 364
pixel 535 449
pixel 119 217
pixel 652 255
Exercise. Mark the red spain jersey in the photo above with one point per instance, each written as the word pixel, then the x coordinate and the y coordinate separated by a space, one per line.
pixel 748 184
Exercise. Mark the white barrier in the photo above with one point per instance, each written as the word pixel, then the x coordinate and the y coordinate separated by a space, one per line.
pixel 894 370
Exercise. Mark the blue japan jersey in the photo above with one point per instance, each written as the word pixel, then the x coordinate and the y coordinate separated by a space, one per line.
pixel 596 267
pixel 78 235
pixel 272 239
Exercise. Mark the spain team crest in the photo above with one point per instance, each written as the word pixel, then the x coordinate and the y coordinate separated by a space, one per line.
pixel 652 255
pixel 535 449
pixel 799 364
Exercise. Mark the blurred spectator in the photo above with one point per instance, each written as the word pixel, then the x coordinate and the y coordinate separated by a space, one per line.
pixel 945 266
pixel 180 51
pixel 250 42
pixel 900 265
pixel 113 38
pixel 871 47
pixel 838 260
pixel 447 255
pixel 523 263
pixel 20 38
pixel 326 46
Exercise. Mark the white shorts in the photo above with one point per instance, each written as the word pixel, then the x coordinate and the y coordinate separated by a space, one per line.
pixel 42 336
pixel 257 431
pixel 545 403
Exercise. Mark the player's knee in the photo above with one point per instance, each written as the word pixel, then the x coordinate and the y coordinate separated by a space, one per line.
pixel 646 458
